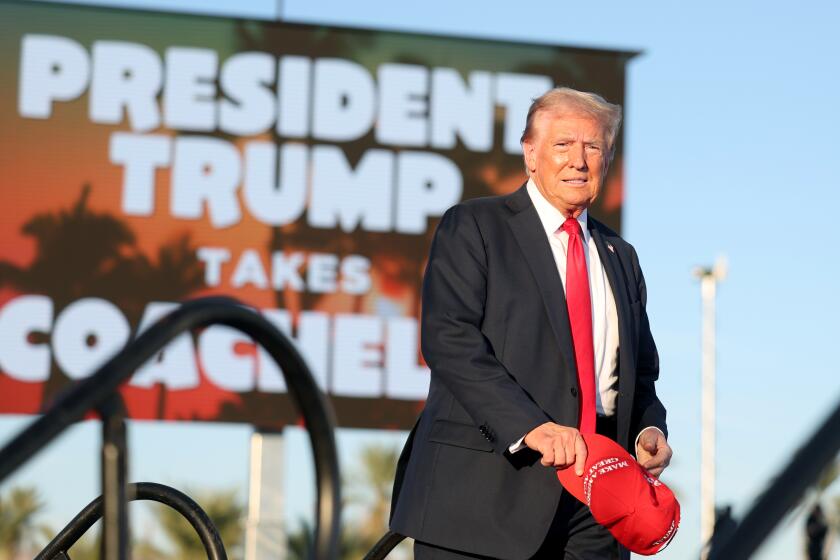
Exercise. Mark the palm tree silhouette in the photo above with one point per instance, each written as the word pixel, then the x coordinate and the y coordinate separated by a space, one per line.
pixel 19 532
pixel 83 253
pixel 368 488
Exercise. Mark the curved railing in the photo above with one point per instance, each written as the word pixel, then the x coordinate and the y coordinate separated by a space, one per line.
pixel 384 545
pixel 180 502
pixel 98 392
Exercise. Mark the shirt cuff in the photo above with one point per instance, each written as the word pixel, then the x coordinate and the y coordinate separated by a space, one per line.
pixel 518 445
pixel 636 444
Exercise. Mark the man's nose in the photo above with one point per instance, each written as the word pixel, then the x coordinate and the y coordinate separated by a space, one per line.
pixel 577 157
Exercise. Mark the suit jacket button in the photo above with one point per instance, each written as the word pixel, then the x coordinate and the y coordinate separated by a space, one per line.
pixel 574 391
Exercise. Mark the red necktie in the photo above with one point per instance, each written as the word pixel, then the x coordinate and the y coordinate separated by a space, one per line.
pixel 579 304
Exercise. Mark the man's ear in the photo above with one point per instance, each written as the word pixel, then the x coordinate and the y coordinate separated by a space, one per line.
pixel 529 154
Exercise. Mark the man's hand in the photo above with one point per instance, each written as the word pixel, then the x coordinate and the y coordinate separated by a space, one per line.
pixel 653 451
pixel 560 446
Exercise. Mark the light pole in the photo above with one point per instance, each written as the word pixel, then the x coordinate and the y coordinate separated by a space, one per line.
pixel 265 535
pixel 709 277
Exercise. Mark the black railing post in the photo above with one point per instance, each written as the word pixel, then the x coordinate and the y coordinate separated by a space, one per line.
pixel 114 544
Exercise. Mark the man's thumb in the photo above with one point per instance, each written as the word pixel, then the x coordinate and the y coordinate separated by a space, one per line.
pixel 580 454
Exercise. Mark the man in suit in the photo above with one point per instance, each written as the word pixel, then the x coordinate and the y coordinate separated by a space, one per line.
pixel 535 330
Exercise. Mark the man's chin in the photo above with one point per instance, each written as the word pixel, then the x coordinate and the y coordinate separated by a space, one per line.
pixel 578 203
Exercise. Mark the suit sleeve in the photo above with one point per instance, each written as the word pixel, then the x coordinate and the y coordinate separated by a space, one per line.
pixel 648 410
pixel 459 355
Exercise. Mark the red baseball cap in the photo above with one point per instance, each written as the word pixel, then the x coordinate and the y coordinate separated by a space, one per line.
pixel 639 510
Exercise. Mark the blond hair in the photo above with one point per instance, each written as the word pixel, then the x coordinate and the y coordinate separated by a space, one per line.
pixel 564 99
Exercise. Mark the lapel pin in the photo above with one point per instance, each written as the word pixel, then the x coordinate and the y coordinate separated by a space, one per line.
pixel 611 248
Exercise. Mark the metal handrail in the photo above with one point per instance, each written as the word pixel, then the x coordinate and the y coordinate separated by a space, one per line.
pixel 384 545
pixel 163 494
pixel 93 392
pixel 809 461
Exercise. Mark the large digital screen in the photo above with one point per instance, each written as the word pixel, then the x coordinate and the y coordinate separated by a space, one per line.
pixel 150 158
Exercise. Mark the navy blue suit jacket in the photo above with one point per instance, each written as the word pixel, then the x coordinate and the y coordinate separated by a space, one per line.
pixel 495 334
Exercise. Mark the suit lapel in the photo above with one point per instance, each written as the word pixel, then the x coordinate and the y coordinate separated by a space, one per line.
pixel 626 357
pixel 609 259
pixel 530 236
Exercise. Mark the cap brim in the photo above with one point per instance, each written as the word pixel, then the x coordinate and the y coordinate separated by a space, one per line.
pixel 572 483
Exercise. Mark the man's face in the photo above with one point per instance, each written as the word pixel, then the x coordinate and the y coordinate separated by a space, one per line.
pixel 567 158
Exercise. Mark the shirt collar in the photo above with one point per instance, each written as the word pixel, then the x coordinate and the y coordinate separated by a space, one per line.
pixel 550 216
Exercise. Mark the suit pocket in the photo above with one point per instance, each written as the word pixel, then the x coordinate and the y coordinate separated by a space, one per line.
pixel 459 435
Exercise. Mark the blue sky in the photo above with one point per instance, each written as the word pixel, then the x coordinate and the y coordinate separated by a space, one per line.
pixel 730 143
